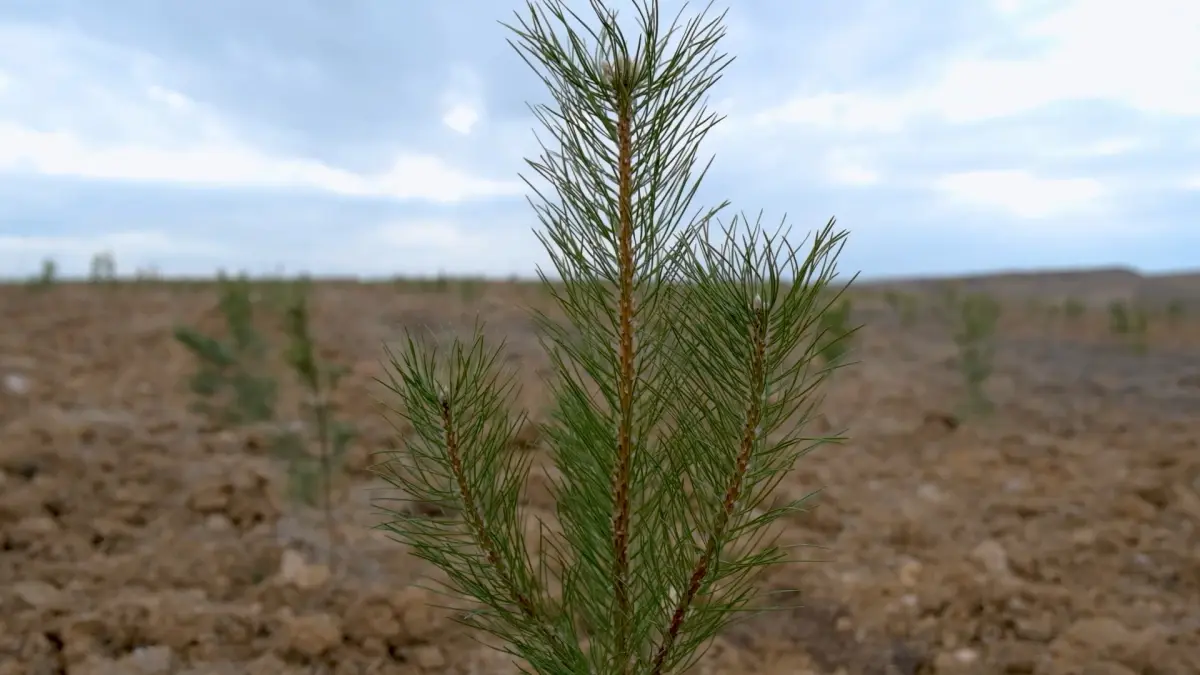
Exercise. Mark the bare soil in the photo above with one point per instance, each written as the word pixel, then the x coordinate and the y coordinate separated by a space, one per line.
pixel 1061 535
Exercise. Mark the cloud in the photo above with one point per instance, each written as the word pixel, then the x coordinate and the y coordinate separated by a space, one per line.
pixel 231 165
pixel 138 129
pixel 1021 193
pixel 461 118
pixel 1024 99
pixel 462 100
pixel 849 168
pixel 1144 56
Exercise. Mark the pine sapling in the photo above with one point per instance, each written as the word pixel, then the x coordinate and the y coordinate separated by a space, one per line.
pixel 1119 322
pixel 48 275
pixel 835 332
pixel 103 268
pixel 1073 309
pixel 319 380
pixel 231 383
pixel 978 314
pixel 1175 312
pixel 684 375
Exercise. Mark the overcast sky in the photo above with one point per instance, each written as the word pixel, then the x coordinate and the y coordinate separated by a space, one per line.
pixel 384 137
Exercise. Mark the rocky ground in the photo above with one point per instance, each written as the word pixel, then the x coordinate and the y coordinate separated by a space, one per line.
pixel 1061 535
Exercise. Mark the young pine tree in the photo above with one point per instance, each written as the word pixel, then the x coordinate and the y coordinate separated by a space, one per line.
pixel 684 374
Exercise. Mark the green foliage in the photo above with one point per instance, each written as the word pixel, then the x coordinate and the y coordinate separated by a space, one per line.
pixel 470 289
pixel 103 268
pixel 230 384
pixel 1119 322
pixel 1175 312
pixel 147 275
pixel 908 311
pixel 684 376
pixel 892 299
pixel 1129 324
pixel 974 336
pixel 834 331
pixel 903 305
pixel 48 275
pixel 311 478
pixel 1073 309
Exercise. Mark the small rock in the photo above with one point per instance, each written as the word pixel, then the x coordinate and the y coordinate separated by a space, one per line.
pixel 216 522
pixel 370 619
pixel 1035 629
pixel 39 594
pixel 429 657
pixel 966 655
pixel 931 493
pixel 910 573
pixel 156 660
pixel 18 385
pixel 33 528
pixel 1106 668
pixel 413 608
pixel 1084 537
pixel 310 635
pixel 991 555
pixel 267 664
pixel 957 661
pixel 1105 638
pixel 295 570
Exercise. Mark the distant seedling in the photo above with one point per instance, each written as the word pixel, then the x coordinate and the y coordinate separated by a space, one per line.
pixel 974 337
pixel 104 268
pixel 47 276
pixel 834 332
pixel 903 305
pixel 1129 325
pixel 311 478
pixel 1175 312
pixel 1073 309
pixel 230 383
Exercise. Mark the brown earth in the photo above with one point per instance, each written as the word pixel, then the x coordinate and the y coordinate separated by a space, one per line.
pixel 1060 535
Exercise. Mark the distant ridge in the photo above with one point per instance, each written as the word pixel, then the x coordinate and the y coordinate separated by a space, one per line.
pixel 1095 286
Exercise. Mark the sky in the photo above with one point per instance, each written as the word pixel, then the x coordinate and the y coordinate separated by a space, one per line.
pixel 384 138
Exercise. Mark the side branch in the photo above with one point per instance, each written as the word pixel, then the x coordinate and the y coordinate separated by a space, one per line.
pixel 474 518
pixel 750 432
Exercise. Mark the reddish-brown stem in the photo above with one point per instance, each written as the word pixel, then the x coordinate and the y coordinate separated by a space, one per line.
pixel 474 519
pixel 626 379
pixel 732 493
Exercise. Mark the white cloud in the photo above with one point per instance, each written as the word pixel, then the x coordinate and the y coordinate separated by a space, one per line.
pixel 440 234
pixel 849 168
pixel 226 164
pixel 1022 194
pixel 462 100
pixel 427 246
pixel 1108 147
pixel 849 112
pixel 96 110
pixel 1142 55
pixel 461 118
